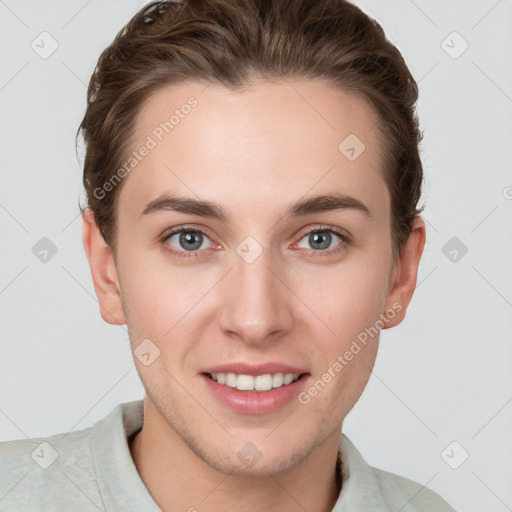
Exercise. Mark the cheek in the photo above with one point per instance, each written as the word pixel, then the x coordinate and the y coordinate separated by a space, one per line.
pixel 146 297
pixel 162 302
pixel 349 301
pixel 346 298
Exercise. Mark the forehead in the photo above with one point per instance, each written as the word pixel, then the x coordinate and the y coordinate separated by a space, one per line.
pixel 267 144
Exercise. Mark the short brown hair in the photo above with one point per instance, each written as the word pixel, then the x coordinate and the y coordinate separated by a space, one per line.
pixel 230 42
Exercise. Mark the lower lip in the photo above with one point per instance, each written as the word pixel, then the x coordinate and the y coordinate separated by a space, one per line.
pixel 255 402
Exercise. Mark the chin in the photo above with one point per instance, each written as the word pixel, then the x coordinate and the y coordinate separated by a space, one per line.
pixel 258 467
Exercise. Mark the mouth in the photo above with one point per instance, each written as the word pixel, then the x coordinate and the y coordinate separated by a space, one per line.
pixel 259 383
pixel 255 390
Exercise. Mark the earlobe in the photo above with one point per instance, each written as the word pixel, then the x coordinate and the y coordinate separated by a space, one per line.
pixel 103 271
pixel 406 273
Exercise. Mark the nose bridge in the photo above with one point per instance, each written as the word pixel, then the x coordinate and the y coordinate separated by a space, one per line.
pixel 256 303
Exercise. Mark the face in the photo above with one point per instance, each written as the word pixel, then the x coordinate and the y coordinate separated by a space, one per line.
pixel 282 283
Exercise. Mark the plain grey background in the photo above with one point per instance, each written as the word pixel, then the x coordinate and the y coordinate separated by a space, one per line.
pixel 442 386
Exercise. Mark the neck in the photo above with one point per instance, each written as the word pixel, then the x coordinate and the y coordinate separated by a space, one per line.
pixel 178 479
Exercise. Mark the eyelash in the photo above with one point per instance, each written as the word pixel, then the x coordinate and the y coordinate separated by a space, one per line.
pixel 193 229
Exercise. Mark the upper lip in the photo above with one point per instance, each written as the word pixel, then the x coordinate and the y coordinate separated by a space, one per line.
pixel 254 369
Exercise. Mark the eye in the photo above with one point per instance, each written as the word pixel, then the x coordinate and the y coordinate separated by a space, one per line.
pixel 321 239
pixel 186 241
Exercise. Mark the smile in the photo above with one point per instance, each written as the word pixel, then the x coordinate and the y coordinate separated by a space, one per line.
pixel 254 383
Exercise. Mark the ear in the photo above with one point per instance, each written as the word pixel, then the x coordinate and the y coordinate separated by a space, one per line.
pixel 405 273
pixel 103 270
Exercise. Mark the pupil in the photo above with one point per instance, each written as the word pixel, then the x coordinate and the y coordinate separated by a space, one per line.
pixel 316 236
pixel 188 238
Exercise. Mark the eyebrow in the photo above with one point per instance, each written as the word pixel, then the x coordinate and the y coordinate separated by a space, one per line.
pixel 315 204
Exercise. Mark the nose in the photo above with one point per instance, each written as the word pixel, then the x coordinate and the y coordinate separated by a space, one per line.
pixel 257 300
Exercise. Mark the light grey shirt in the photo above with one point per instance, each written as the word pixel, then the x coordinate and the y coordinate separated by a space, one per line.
pixel 92 470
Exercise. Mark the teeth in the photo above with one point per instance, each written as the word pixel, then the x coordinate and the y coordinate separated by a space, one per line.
pixel 263 382
pixel 288 378
pixel 277 380
pixel 258 383
pixel 231 380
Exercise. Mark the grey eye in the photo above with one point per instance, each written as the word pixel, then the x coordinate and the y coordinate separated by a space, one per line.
pixel 320 239
pixel 188 240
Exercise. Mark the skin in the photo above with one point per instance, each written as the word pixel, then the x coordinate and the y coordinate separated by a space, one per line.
pixel 253 152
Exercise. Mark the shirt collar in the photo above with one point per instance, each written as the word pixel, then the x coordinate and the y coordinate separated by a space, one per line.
pixel 121 486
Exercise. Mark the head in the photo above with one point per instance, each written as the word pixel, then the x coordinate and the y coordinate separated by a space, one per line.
pixel 266 115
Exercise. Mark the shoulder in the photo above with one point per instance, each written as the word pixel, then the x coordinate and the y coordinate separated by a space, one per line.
pixel 49 473
pixel 370 488
pixel 408 495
